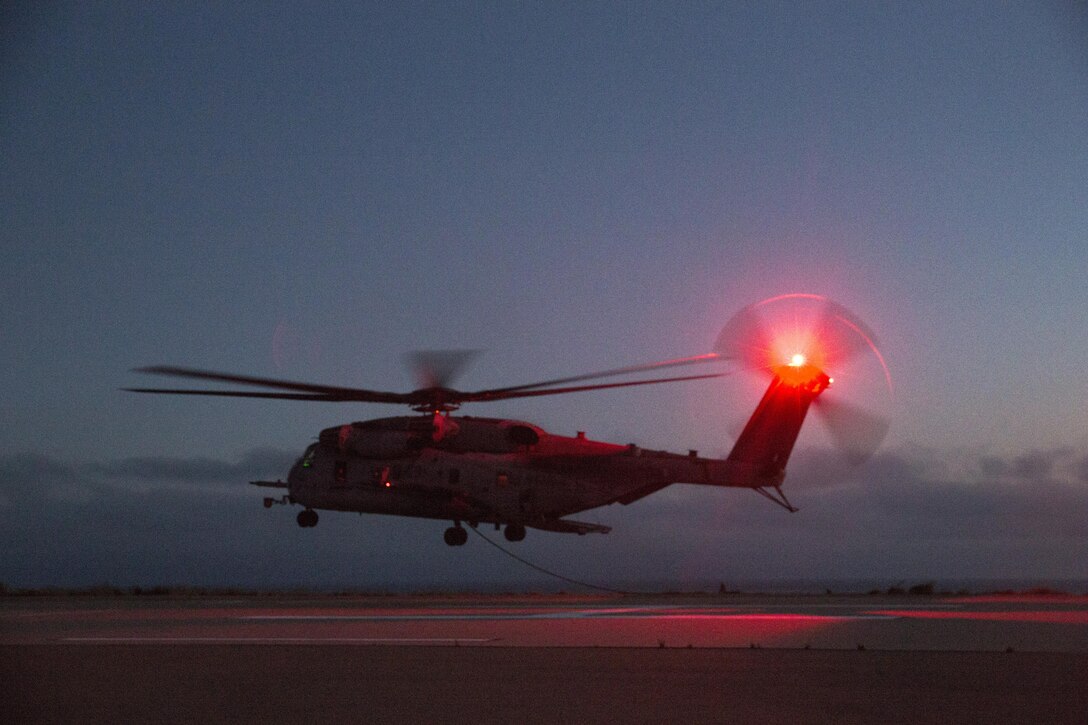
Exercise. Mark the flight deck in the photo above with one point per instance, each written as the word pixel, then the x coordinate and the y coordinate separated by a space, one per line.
pixel 458 658
pixel 980 623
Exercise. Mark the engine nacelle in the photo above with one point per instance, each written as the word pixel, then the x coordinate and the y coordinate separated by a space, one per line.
pixel 406 437
pixel 369 443
pixel 491 436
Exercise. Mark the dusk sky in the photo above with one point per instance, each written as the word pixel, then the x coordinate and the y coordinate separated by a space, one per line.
pixel 310 192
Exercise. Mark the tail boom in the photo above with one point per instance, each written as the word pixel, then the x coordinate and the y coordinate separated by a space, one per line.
pixel 758 459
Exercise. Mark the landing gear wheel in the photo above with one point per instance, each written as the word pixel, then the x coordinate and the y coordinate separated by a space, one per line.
pixel 307 518
pixel 514 532
pixel 455 536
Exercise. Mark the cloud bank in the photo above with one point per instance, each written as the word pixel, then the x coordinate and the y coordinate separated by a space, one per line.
pixel 911 513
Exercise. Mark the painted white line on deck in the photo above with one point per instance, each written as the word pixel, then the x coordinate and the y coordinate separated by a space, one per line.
pixel 647 612
pixel 564 615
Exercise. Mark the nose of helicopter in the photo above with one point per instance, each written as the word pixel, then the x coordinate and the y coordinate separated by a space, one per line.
pixel 298 474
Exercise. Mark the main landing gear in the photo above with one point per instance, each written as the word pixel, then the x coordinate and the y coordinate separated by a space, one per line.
pixel 307 518
pixel 455 535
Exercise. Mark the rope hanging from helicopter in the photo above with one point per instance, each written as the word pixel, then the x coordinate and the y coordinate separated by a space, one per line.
pixel 550 573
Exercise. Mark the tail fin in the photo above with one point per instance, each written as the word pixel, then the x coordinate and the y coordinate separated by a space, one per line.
pixel 767 440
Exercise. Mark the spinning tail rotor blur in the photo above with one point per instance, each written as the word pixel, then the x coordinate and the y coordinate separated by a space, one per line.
pixel 798 336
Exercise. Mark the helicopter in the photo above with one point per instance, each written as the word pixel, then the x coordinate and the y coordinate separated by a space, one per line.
pixel 514 475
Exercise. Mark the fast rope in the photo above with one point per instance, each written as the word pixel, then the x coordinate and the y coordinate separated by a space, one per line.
pixel 542 570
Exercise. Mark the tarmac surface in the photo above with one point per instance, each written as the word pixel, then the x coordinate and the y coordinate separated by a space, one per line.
pixel 544 659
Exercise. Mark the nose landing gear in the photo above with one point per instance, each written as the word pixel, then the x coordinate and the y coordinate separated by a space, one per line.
pixel 514 532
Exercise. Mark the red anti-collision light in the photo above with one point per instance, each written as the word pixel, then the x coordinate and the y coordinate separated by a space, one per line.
pixel 799 373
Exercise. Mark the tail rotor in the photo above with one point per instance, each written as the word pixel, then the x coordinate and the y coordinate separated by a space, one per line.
pixel 797 337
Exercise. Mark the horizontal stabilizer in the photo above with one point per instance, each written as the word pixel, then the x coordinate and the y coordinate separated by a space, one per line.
pixel 566 526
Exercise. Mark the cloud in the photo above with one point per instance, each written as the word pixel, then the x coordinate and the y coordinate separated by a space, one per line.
pixel 255 463
pixel 909 513
pixel 29 478
pixel 1081 469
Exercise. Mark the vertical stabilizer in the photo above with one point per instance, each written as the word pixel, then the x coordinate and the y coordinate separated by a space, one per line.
pixel 768 438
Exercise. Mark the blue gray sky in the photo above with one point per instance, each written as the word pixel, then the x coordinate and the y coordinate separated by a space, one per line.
pixel 311 191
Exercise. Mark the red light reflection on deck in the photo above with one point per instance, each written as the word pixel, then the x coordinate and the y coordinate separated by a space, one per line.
pixel 763 626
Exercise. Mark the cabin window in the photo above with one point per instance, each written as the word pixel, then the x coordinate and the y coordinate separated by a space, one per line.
pixel 502 480
pixel 455 476
pixel 341 471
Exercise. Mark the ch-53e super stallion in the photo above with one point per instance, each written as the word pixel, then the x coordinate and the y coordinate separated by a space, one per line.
pixel 515 475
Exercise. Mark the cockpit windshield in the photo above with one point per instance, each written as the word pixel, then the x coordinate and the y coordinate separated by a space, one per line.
pixel 307 459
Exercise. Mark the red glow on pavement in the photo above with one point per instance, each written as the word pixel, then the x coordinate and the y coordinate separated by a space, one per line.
pixel 756 628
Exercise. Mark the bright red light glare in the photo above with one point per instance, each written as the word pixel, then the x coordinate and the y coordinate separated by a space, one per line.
pixel 795 344
pixel 809 377
pixel 795 329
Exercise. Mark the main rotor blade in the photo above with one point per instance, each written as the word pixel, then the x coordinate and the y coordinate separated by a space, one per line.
pixel 488 395
pixel 630 370
pixel 243 394
pixel 423 396
pixel 335 392
pixel 857 432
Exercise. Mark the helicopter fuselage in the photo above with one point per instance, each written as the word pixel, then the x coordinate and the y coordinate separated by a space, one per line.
pixel 484 470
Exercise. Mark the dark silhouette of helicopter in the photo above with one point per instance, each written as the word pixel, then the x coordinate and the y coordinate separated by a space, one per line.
pixel 515 475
